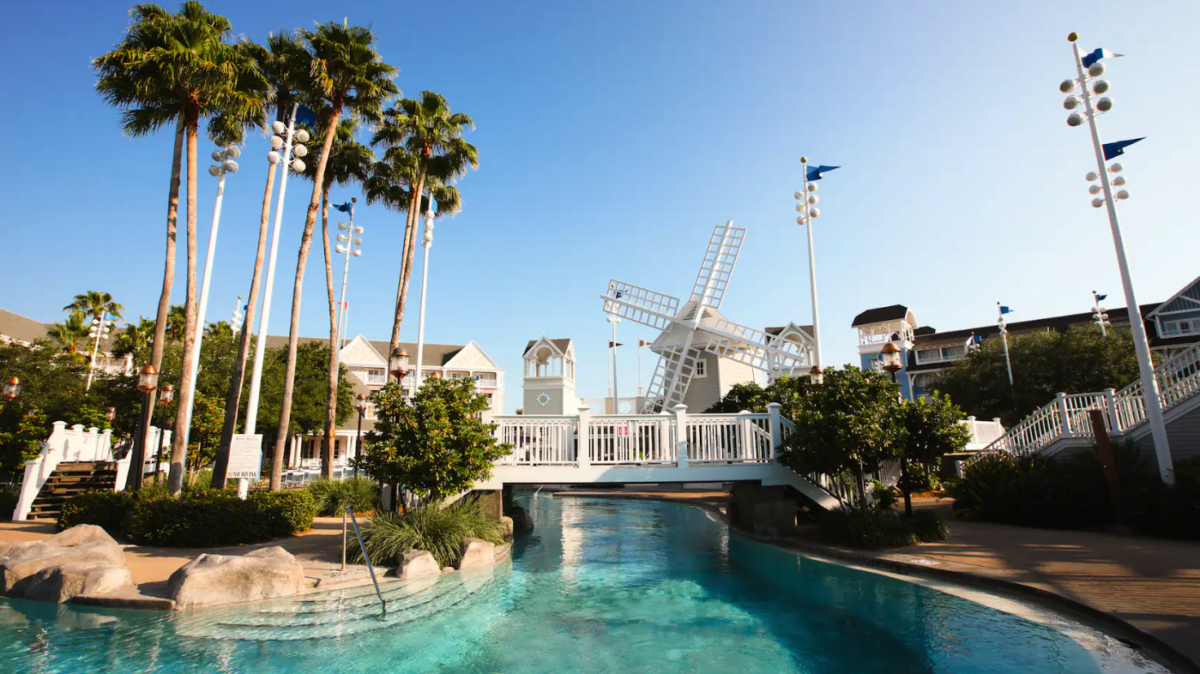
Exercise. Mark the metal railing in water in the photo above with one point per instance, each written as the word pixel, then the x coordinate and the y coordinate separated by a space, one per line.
pixel 366 556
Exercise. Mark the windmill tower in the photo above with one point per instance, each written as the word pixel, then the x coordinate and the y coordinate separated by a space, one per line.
pixel 691 329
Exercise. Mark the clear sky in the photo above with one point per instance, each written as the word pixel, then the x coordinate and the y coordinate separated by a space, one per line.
pixel 614 135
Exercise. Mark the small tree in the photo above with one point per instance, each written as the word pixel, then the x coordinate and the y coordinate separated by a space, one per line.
pixel 928 430
pixel 435 443
pixel 790 392
pixel 847 426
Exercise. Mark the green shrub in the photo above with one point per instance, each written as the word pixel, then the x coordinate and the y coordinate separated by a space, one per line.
pixel 927 527
pixel 885 497
pixel 874 529
pixel 360 494
pixel 106 509
pixel 922 478
pixel 284 513
pixel 439 531
pixel 202 520
pixel 8 500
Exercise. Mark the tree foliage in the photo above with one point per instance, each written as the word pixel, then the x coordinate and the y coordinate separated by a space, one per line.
pixel 790 392
pixel 1078 360
pixel 433 443
pixel 929 429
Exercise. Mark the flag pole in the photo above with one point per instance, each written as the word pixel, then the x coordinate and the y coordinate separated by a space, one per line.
pixel 1004 336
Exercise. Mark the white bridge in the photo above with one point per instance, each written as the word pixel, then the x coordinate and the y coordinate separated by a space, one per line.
pixel 648 448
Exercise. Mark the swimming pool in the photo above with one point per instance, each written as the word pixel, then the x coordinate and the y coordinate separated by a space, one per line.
pixel 600 586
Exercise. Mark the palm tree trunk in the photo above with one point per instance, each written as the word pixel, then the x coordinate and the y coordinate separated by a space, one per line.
pixel 178 442
pixel 289 379
pixel 334 366
pixel 409 229
pixel 410 249
pixel 233 397
pixel 138 460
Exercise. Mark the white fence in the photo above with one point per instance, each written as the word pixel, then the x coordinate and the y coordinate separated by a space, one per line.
pixel 1178 379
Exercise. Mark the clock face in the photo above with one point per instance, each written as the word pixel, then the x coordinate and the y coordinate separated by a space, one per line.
pixel 543 399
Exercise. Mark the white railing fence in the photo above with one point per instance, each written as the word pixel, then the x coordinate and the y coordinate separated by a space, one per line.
pixel 1178 379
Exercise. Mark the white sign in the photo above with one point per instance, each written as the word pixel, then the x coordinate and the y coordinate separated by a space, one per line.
pixel 245 457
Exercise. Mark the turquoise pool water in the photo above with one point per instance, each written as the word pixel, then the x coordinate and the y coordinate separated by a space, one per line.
pixel 600 586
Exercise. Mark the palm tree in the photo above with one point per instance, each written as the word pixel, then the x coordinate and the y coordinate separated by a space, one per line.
pixel 286 65
pixel 218 328
pixel 349 161
pixel 183 67
pixel 95 304
pixel 72 333
pixel 176 320
pixel 348 76
pixel 432 134
pixel 136 338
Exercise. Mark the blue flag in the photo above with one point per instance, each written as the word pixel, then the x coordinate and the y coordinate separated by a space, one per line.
pixel 1098 54
pixel 1117 148
pixel 1100 297
pixel 1005 310
pixel 305 115
pixel 618 294
pixel 345 208
pixel 814 172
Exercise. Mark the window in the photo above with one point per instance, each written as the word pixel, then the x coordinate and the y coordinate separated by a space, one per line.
pixel 929 355
pixel 953 352
pixel 701 369
pixel 1180 327
pixel 376 376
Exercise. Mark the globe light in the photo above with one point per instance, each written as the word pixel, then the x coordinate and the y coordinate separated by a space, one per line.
pixel 813 199
pixel 1074 119
pixel 1115 168
pixel 273 157
pixel 1118 181
pixel 276 142
pixel 1071 102
pixel 801 221
pixel 1094 189
pixel 800 208
pixel 233 152
pixel 357 252
pixel 1100 86
pixel 278 127
pixel 342 226
pixel 358 229
pixel 1096 69
pixel 1092 175
pixel 812 187
pixel 1104 104
pixel 358 241
pixel 300 151
pixel 341 238
pixel 231 166
pixel 217 155
pixel 298 166
pixel 799 194
pixel 340 248
pixel 1066 86
pixel 214 171
pixel 302 136
pixel 1123 194
pixel 814 212
pixel 1097 203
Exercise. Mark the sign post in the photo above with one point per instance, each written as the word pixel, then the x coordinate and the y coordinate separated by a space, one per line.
pixel 245 461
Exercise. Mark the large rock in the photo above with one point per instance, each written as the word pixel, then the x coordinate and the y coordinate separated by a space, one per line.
pixel 416 563
pixel 476 552
pixel 61 583
pixel 84 545
pixel 522 521
pixel 214 580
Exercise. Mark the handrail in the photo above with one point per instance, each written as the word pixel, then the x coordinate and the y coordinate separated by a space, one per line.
pixel 370 567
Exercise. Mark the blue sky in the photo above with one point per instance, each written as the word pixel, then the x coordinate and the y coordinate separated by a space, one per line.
pixel 613 137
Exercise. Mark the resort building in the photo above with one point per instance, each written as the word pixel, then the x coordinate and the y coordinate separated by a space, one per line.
pixel 18 329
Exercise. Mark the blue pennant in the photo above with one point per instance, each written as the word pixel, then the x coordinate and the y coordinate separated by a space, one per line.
pixel 347 207
pixel 814 172
pixel 1116 149
pixel 1098 54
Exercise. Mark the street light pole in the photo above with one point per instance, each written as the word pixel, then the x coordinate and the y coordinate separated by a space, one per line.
pixel 1004 336
pixel 224 166
pixel 616 388
pixel 808 212
pixel 426 243
pixel 350 239
pixel 1098 316
pixel 1150 395
pixel 100 329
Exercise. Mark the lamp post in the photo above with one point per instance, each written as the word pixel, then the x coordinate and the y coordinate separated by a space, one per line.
pixel 425 243
pixel 616 388
pixel 224 165
pixel 1004 336
pixel 1098 316
pixel 807 208
pixel 360 405
pixel 147 383
pixel 111 413
pixel 12 389
pixel 816 376
pixel 291 142
pixel 641 343
pixel 235 321
pixel 101 326
pixel 165 398
pixel 1088 70
pixel 890 358
pixel 348 238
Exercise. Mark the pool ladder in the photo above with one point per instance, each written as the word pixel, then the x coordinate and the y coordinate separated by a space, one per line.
pixel 370 567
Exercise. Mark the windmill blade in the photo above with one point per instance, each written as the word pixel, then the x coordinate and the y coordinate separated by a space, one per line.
pixel 717 266
pixel 640 305
pixel 671 378
pixel 753 347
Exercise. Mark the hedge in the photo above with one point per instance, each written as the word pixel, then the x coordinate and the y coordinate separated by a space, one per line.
pixel 198 518
pixel 875 529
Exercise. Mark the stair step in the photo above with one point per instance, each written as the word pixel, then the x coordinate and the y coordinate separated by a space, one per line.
pixel 74 479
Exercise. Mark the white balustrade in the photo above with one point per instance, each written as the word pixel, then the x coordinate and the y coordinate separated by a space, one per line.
pixel 631 439
pixel 64 446
pixel 729 438
pixel 537 440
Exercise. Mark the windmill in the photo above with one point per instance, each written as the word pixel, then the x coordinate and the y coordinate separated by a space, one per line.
pixel 688 329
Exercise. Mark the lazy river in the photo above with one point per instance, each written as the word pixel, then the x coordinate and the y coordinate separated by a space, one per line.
pixel 600 586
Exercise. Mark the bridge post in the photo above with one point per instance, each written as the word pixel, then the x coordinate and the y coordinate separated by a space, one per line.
pixel 1114 419
pixel 1067 432
pixel 776 428
pixel 681 443
pixel 583 448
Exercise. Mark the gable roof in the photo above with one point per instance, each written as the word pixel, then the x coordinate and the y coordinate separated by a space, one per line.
pixel 434 355
pixel 1117 316
pixel 561 344
pixel 892 312
pixel 1187 299
pixel 21 328
pixel 774 332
